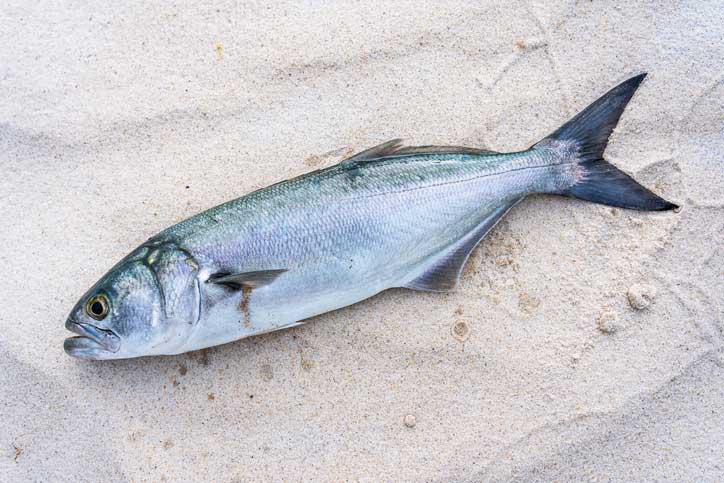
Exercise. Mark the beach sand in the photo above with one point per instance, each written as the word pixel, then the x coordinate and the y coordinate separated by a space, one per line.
pixel 584 343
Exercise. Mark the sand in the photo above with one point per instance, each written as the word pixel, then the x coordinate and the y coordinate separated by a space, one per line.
pixel 121 118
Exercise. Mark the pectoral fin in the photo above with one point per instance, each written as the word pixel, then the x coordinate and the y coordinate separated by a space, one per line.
pixel 245 279
pixel 443 272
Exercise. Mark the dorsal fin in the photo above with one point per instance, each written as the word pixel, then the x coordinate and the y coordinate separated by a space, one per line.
pixel 394 148
pixel 442 274
pixel 375 152
pixel 441 150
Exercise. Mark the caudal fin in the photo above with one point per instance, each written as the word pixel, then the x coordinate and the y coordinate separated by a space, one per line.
pixel 600 181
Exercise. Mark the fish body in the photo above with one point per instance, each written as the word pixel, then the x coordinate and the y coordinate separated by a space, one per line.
pixel 343 234
pixel 390 216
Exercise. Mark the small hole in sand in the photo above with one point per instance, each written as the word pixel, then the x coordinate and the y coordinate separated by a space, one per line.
pixel 461 330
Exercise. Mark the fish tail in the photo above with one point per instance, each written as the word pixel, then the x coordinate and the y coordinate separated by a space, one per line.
pixel 587 135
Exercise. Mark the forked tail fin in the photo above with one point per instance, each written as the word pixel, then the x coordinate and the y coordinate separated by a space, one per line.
pixel 600 181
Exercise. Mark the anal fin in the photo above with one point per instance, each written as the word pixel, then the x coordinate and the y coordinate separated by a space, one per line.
pixel 444 271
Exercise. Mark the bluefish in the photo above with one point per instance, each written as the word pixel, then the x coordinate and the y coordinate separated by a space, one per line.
pixel 390 216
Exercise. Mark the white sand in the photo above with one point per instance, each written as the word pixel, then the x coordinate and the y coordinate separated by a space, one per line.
pixel 117 121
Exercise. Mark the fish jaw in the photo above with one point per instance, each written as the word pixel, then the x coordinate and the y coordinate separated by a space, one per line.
pixel 91 342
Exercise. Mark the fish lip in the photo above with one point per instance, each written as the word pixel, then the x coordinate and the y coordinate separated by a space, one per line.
pixel 92 341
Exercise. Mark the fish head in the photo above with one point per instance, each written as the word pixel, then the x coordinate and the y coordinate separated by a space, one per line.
pixel 145 305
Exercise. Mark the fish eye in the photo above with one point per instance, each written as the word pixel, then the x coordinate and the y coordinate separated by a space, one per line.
pixel 97 307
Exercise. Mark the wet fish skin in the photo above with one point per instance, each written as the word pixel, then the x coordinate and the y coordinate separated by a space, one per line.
pixel 388 217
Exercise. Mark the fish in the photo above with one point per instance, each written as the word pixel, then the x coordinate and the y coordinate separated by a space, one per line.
pixel 390 216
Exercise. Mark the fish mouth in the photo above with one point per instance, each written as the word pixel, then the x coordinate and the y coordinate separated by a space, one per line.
pixel 91 342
